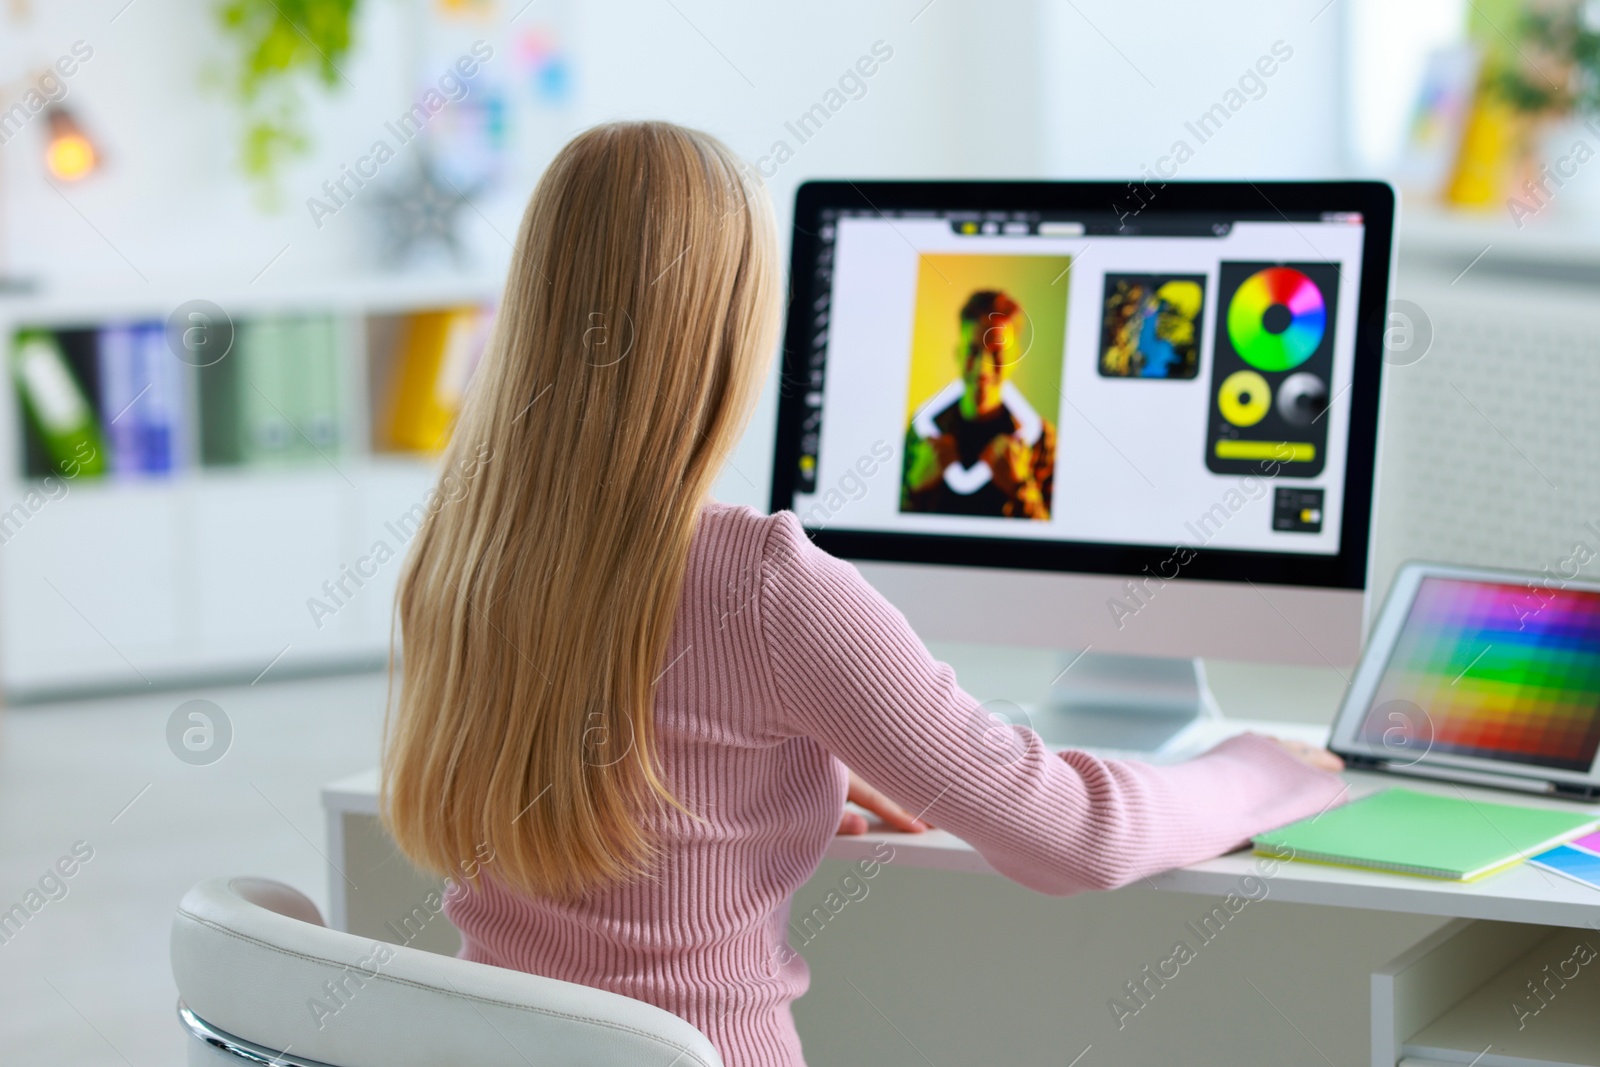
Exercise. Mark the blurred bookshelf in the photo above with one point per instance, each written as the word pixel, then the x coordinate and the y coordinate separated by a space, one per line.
pixel 169 520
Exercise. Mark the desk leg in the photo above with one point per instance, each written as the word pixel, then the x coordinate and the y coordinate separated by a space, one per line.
pixel 380 894
pixel 338 916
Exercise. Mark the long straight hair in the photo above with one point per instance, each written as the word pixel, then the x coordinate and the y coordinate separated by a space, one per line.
pixel 639 318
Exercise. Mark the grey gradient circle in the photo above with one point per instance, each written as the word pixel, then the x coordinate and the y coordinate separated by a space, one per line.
pixel 1407 333
pixel 199 333
pixel 1407 731
pixel 1298 386
pixel 999 729
pixel 599 340
pixel 199 732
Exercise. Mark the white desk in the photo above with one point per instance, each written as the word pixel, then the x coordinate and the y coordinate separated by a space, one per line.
pixel 1022 938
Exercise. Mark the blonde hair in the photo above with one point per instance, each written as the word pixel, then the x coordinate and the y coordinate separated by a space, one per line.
pixel 639 318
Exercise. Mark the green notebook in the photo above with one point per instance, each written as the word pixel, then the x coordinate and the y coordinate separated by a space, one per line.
pixel 1422 834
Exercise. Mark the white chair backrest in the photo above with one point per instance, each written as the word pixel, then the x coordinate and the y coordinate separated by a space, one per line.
pixel 253 960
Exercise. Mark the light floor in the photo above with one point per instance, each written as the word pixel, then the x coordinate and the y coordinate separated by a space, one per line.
pixel 86 981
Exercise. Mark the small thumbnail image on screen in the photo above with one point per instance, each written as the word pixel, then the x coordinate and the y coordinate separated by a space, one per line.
pixel 1150 325
pixel 987 344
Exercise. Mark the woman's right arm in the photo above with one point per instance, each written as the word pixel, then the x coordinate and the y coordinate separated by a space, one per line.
pixel 849 672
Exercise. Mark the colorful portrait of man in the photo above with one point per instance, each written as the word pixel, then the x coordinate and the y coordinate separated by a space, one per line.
pixel 978 447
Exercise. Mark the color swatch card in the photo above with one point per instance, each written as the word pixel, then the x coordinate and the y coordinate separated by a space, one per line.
pixel 1501 670
pixel 1575 863
pixel 1590 842
pixel 1425 834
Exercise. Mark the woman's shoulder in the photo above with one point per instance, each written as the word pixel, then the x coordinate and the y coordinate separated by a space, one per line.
pixel 742 523
pixel 737 555
pixel 770 546
pixel 776 543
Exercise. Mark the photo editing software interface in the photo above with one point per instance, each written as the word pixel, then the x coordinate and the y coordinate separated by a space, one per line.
pixel 1015 375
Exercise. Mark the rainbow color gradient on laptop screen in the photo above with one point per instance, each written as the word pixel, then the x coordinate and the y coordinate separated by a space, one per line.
pixel 1498 670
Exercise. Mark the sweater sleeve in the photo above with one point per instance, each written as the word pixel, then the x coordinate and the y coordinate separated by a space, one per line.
pixel 850 673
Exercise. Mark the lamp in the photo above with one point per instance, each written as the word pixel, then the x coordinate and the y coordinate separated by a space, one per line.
pixel 69 154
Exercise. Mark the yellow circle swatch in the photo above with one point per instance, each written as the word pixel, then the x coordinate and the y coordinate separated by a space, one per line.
pixel 1245 398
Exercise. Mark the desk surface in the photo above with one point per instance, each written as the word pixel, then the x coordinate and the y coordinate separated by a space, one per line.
pixel 1523 894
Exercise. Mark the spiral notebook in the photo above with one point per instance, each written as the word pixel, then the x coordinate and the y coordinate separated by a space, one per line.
pixel 1424 834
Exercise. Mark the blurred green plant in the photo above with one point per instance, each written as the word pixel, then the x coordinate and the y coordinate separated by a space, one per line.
pixel 281 46
pixel 1559 71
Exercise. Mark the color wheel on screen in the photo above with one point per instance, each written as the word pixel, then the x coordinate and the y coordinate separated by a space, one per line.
pixel 1276 319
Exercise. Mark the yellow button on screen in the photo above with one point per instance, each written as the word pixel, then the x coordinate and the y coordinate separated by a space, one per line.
pixel 1282 451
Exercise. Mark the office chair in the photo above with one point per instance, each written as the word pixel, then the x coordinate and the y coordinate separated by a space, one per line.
pixel 262 981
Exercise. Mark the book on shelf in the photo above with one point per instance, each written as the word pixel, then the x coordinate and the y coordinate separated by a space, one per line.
pixel 267 383
pixel 160 412
pixel 56 390
pixel 221 444
pixel 316 366
pixel 117 396
pixel 437 353
pixel 141 400
pixel 276 399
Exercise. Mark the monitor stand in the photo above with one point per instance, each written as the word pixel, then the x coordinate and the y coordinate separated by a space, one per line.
pixel 1128 703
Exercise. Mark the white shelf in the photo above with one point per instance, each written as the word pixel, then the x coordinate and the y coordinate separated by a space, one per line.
pixel 208 574
pixel 1565 1032
pixel 380 294
pixel 1466 995
pixel 201 477
pixel 205 577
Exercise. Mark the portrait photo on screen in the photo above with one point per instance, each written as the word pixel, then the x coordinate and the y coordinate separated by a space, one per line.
pixel 1151 325
pixel 986 356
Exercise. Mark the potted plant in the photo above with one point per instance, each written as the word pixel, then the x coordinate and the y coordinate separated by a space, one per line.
pixel 281 48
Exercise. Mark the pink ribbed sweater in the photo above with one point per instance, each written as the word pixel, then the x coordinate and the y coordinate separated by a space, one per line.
pixel 783 664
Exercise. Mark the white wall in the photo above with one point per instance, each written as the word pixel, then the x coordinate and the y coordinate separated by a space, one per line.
pixel 1120 80
pixel 958 99
pixel 170 205
pixel 1390 45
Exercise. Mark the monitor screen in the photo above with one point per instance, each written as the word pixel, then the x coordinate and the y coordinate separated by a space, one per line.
pixel 1040 383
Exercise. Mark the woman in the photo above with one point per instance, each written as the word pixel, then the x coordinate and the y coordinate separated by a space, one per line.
pixel 635 701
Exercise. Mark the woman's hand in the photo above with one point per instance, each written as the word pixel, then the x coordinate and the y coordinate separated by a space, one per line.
pixel 1310 755
pixel 865 796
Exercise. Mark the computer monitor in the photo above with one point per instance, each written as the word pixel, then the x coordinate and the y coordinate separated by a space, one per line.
pixel 1127 418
